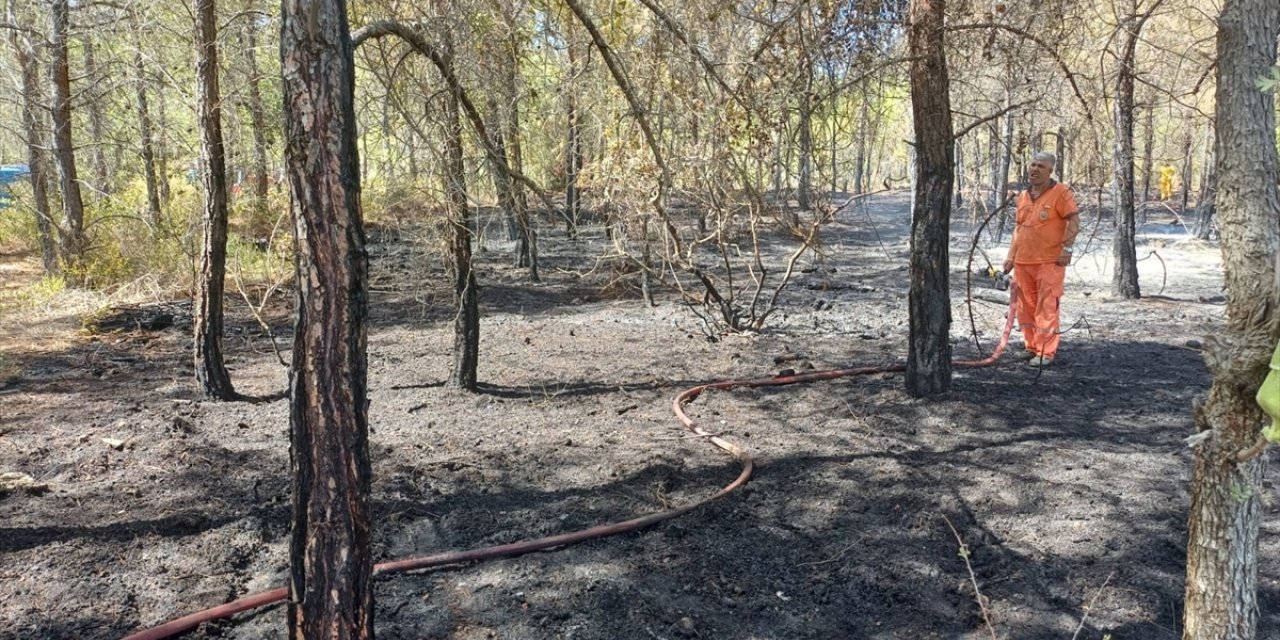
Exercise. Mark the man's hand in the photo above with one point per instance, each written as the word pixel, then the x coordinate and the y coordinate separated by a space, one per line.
pixel 1064 258
pixel 1008 265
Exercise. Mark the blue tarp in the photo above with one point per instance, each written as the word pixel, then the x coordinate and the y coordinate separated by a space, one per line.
pixel 10 173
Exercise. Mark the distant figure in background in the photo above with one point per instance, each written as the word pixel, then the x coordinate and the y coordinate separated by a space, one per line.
pixel 1166 181
pixel 1048 222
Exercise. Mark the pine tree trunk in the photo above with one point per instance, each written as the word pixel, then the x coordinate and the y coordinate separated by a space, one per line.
pixel 804 151
pixel 466 324
pixel 24 52
pixel 331 565
pixel 162 154
pixel 1124 280
pixel 147 132
pixel 573 148
pixel 528 240
pixel 1221 591
pixel 97 126
pixel 258 120
pixel 211 370
pixel 1148 141
pixel 73 240
pixel 929 301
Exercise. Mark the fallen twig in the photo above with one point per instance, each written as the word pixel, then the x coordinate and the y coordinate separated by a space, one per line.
pixel 973 578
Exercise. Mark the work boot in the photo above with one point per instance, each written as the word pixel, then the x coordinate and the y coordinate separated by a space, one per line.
pixel 1040 361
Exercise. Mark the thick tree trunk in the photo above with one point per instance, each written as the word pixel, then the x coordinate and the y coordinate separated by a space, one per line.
pixel 929 300
pixel 211 370
pixel 1221 590
pixel 466 323
pixel 73 240
pixel 28 65
pixel 331 566
pixel 1124 280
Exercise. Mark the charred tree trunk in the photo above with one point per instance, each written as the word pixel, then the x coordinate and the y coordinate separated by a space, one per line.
pixel 211 369
pixel 73 240
pixel 527 243
pixel 466 323
pixel 331 566
pixel 1124 280
pixel 28 65
pixel 502 181
pixel 929 300
pixel 1226 492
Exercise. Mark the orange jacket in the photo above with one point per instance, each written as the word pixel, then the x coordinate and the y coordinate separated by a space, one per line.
pixel 1042 224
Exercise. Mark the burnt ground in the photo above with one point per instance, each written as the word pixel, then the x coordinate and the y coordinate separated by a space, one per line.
pixel 1069 485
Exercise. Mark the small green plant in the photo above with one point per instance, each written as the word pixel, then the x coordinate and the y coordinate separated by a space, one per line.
pixel 39 293
pixel 1270 81
pixel 1241 492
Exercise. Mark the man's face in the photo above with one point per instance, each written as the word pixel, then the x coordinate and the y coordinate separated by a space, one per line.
pixel 1039 173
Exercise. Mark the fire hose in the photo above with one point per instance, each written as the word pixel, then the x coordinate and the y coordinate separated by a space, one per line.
pixel 247 603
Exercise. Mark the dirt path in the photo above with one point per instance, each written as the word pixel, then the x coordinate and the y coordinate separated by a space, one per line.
pixel 1068 485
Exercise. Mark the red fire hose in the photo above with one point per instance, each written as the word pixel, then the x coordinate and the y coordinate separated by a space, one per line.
pixel 174 627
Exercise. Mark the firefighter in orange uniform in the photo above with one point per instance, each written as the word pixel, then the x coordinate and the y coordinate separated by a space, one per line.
pixel 1048 223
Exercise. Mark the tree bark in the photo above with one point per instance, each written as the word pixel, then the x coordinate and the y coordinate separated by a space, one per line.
pixel 258 120
pixel 929 301
pixel 1221 590
pixel 1205 207
pixel 331 566
pixel 573 147
pixel 1148 141
pixel 147 131
pixel 1124 280
pixel 211 370
pixel 73 240
pixel 804 151
pixel 466 323
pixel 527 243
pixel 28 65
pixel 97 126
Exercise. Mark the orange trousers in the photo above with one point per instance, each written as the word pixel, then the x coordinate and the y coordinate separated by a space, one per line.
pixel 1039 289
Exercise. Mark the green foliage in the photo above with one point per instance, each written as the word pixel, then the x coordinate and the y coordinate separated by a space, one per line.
pixel 39 293
pixel 18 222
pixel 1270 81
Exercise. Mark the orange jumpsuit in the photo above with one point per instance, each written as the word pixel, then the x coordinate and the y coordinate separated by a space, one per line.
pixel 1038 241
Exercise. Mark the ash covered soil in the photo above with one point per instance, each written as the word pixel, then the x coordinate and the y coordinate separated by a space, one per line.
pixel 1068 485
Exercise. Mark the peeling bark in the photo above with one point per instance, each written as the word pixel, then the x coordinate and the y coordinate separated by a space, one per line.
pixel 1222 549
pixel 331 566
